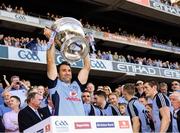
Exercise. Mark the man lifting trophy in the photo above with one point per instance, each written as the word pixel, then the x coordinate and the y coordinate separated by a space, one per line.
pixel 68 35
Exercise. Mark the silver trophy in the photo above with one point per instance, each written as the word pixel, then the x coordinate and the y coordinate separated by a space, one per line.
pixel 70 37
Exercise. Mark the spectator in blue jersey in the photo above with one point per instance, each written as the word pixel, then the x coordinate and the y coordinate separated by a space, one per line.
pixel 90 88
pixel 163 88
pixel 119 91
pixel 175 85
pixel 160 107
pixel 66 95
pixel 143 100
pixel 122 108
pixel 4 108
pixel 113 99
pixel 89 108
pixel 175 100
pixel 86 98
pixel 136 110
pixel 107 108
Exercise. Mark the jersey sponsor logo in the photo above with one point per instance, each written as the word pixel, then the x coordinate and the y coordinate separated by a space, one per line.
pixel 82 125
pixel 73 93
pixel 105 124
pixel 28 55
pixel 73 96
pixel 124 124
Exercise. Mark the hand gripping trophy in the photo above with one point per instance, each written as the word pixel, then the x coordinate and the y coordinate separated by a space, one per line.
pixel 68 34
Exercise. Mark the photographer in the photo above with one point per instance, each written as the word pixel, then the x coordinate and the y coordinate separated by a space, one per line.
pixel 16 84
pixel 18 88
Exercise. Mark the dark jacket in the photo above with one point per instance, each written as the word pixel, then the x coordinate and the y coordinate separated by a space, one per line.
pixel 27 118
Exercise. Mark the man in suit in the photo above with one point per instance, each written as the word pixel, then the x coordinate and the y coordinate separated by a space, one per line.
pixel 30 115
pixel 49 110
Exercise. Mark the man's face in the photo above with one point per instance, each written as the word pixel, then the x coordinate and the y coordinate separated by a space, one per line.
pixel 14 103
pixel 36 101
pixel 125 94
pixel 6 97
pixel 148 90
pixel 122 109
pixel 86 97
pixel 98 100
pixel 90 87
pixel 41 90
pixel 175 102
pixel 175 85
pixel 163 89
pixel 65 73
pixel 113 100
pixel 16 83
pixel 143 100
pixel 140 87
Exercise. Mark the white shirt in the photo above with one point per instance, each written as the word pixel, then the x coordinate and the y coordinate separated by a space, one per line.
pixel 10 120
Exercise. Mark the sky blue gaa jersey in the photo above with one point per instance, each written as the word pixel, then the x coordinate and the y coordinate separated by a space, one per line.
pixel 66 98
pixel 136 109
pixel 160 100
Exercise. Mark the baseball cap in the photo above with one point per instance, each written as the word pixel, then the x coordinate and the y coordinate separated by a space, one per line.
pixel 139 82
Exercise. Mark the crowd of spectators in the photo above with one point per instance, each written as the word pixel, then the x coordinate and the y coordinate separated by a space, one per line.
pixel 96 27
pixel 174 3
pixel 132 59
pixel 15 9
pixel 24 42
pixel 101 100
pixel 41 45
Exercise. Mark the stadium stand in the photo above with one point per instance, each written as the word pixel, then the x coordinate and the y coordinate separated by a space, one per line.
pixel 127 48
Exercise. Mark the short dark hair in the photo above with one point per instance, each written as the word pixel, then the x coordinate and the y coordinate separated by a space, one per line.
pixel 30 96
pixel 143 96
pixel 153 83
pixel 63 63
pixel 17 98
pixel 129 88
pixel 100 93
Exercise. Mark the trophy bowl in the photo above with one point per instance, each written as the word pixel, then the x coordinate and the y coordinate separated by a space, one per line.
pixel 70 37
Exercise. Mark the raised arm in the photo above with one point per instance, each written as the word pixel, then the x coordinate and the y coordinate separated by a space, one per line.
pixel 51 66
pixel 84 72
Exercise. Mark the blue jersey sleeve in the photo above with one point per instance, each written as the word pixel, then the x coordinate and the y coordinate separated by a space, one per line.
pixel 80 85
pixel 162 100
pixel 132 110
